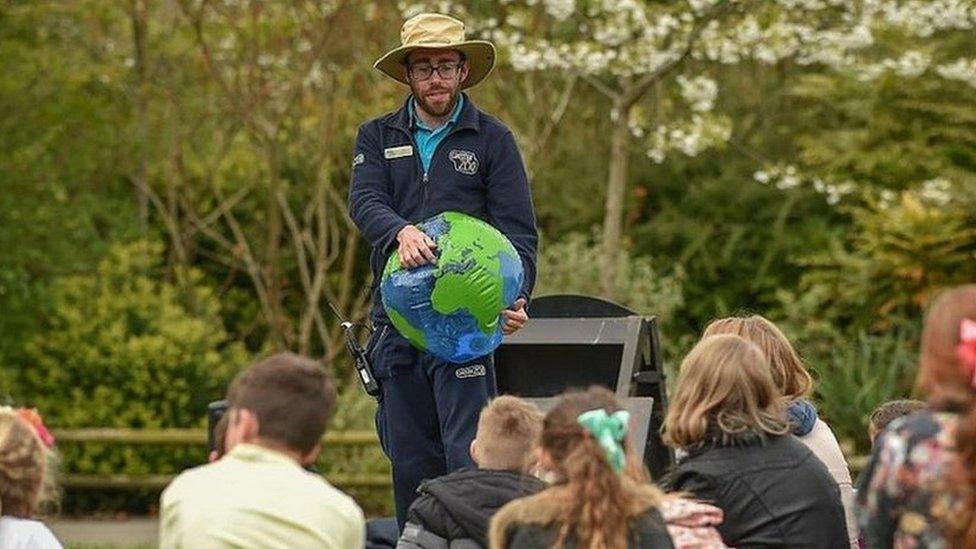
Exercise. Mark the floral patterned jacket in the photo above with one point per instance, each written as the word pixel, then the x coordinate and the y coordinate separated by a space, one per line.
pixel 903 491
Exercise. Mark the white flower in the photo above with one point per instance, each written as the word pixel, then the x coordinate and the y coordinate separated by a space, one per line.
pixel 699 92
pixel 936 191
pixel 912 64
pixel 963 70
pixel 560 9
pixel 886 198
pixel 656 154
pixel 699 6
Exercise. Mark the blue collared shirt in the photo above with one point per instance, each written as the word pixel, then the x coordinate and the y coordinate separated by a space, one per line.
pixel 426 138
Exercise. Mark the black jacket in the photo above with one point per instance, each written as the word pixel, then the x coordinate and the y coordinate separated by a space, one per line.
pixel 476 170
pixel 774 492
pixel 453 511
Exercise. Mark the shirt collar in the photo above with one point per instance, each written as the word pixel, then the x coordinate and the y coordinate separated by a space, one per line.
pixel 416 122
pixel 255 453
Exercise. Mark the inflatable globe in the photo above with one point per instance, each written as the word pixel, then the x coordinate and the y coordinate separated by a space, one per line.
pixel 452 309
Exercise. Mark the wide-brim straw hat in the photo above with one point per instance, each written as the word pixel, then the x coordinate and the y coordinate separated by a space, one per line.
pixel 433 30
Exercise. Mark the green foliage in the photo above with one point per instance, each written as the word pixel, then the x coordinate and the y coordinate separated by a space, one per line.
pixel 890 134
pixel 856 374
pixel 63 197
pixel 572 264
pixel 125 348
pixel 897 256
pixel 122 347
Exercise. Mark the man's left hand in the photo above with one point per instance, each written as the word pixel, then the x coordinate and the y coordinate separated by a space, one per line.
pixel 514 318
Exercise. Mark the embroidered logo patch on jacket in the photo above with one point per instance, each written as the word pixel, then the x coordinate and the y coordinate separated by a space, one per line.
pixel 475 370
pixel 464 161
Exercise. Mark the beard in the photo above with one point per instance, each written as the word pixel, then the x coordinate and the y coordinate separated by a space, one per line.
pixel 436 106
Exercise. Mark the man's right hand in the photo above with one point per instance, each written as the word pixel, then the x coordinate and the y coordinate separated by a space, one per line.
pixel 416 248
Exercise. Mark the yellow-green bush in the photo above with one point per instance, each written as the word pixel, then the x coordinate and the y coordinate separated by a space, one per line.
pixel 123 347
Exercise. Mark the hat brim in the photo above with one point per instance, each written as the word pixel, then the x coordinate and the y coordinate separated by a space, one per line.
pixel 479 56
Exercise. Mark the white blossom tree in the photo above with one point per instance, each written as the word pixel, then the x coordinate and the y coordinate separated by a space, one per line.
pixel 653 61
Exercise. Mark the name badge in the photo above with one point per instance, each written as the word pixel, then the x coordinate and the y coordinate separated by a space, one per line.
pixel 398 152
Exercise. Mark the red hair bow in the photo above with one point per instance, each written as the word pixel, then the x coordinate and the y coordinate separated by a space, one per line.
pixel 966 350
pixel 33 418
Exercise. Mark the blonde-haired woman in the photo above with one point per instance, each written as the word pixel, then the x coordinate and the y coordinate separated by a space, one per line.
pixel 22 465
pixel 728 416
pixel 794 382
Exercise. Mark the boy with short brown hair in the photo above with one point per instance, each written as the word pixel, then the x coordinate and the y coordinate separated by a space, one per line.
pixel 459 506
pixel 887 412
pixel 258 495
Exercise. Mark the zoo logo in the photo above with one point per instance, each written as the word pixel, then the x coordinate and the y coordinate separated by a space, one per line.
pixel 464 161
pixel 475 370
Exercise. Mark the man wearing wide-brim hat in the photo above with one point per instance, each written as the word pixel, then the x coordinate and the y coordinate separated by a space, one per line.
pixel 437 153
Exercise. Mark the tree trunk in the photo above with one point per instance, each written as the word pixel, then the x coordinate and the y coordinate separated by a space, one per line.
pixel 616 189
pixel 139 35
pixel 277 324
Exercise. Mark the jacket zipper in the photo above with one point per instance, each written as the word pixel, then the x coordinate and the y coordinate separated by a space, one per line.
pixel 433 155
pixel 425 178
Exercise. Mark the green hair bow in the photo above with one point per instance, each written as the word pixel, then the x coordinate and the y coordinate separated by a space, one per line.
pixel 609 430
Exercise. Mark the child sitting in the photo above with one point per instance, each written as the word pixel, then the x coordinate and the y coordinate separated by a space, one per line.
pixel 919 489
pixel 601 496
pixel 22 473
pixel 455 509
pixel 728 415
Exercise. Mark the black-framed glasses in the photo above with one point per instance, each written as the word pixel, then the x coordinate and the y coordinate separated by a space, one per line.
pixel 423 71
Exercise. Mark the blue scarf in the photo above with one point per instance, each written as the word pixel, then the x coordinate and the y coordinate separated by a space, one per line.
pixel 803 416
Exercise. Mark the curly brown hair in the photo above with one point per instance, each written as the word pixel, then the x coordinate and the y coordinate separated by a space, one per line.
pixel 598 503
pixel 22 459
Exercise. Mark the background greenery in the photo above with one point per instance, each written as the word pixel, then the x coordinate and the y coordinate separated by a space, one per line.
pixel 173 181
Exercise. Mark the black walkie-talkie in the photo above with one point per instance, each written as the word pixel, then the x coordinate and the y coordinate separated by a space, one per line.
pixel 362 364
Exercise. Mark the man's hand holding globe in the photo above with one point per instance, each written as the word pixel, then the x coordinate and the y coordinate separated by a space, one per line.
pixel 515 318
pixel 416 248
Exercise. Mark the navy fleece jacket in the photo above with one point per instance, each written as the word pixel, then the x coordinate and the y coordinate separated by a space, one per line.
pixel 477 170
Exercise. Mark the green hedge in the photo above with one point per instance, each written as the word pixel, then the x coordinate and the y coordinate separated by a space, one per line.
pixel 124 347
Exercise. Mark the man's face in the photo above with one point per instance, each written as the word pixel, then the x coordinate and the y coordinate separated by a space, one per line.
pixel 436 95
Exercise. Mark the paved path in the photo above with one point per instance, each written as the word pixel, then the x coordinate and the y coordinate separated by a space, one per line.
pixel 127 533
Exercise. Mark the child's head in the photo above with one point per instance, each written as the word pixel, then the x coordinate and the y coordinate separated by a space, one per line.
pixel 789 373
pixel 941 375
pixel 22 458
pixel 947 375
pixel 566 444
pixel 724 389
pixel 508 431
pixel 283 401
pixel 890 411
pixel 585 442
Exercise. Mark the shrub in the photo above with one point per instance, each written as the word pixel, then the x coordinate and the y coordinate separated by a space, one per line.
pixel 572 265
pixel 122 347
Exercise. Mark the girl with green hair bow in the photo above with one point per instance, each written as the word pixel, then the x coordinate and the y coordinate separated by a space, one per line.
pixel 601 496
